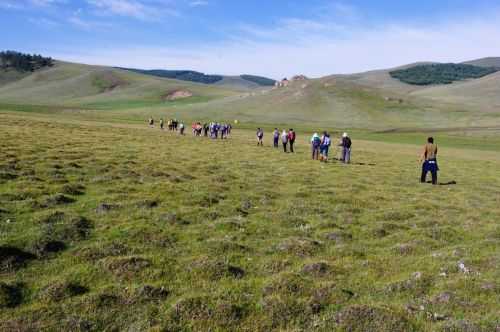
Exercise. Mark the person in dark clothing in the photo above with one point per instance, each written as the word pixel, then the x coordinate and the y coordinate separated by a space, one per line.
pixel 291 139
pixel 276 137
pixel 429 159
pixel 284 140
pixel 346 149
pixel 260 137
pixel 205 129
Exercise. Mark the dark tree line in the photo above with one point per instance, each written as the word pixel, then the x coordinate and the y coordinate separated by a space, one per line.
pixel 442 73
pixel 23 62
pixel 194 76
pixel 262 81
pixel 183 75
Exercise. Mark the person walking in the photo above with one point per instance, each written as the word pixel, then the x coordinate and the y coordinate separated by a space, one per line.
pixel 325 146
pixel 276 137
pixel 151 122
pixel 161 123
pixel 205 130
pixel 429 159
pixel 260 137
pixel 284 140
pixel 346 145
pixel 291 139
pixel 315 143
pixel 181 128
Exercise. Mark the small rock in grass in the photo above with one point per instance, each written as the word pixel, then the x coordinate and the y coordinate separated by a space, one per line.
pixel 59 199
pixel 462 268
pixel 73 189
pixel 339 237
pixel 104 208
pixel 60 291
pixel 317 269
pixel 147 204
pixel 443 298
pixel 127 266
pixel 368 318
pixel 489 286
pixel 462 326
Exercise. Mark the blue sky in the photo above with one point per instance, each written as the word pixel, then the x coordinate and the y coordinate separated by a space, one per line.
pixel 274 38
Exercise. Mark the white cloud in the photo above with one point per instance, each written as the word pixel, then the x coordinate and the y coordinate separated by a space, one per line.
pixel 198 3
pixel 44 22
pixel 143 9
pixel 336 40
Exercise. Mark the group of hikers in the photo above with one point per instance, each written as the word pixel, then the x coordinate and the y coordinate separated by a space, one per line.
pixel 172 124
pixel 320 145
pixel 213 130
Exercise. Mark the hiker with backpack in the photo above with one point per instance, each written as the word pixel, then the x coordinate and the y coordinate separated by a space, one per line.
pixel 276 137
pixel 429 159
pixel 291 139
pixel 284 140
pixel 315 144
pixel 324 146
pixel 346 144
pixel 260 137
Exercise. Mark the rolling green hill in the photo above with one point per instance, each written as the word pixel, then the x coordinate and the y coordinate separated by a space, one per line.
pixel 84 86
pixel 371 100
pixel 233 82
pixel 486 62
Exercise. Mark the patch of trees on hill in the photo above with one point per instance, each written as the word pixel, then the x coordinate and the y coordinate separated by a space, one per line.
pixel 442 73
pixel 183 75
pixel 262 81
pixel 23 62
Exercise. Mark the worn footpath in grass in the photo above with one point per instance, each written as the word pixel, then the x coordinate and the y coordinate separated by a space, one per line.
pixel 109 228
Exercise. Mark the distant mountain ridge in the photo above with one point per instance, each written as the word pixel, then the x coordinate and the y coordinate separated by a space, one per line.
pixel 198 77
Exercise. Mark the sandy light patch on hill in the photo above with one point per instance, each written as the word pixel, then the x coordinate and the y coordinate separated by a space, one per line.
pixel 177 94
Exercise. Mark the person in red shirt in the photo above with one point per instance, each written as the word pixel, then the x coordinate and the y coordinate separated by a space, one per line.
pixel 291 139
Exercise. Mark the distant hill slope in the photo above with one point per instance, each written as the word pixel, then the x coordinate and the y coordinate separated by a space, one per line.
pixel 485 62
pixel 16 65
pixel 183 75
pixel 101 87
pixel 440 73
pixel 242 81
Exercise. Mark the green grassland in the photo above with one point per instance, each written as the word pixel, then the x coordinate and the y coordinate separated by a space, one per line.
pixel 106 224
pixel 114 226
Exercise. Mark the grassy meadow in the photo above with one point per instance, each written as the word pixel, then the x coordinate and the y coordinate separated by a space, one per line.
pixel 110 225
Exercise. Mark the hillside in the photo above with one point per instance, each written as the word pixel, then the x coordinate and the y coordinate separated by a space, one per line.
pixel 486 62
pixel 480 95
pixel 234 82
pixel 440 73
pixel 100 87
pixel 371 100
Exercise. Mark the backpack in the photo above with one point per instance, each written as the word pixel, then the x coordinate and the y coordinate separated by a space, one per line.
pixel 347 142
pixel 326 141
pixel 316 141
